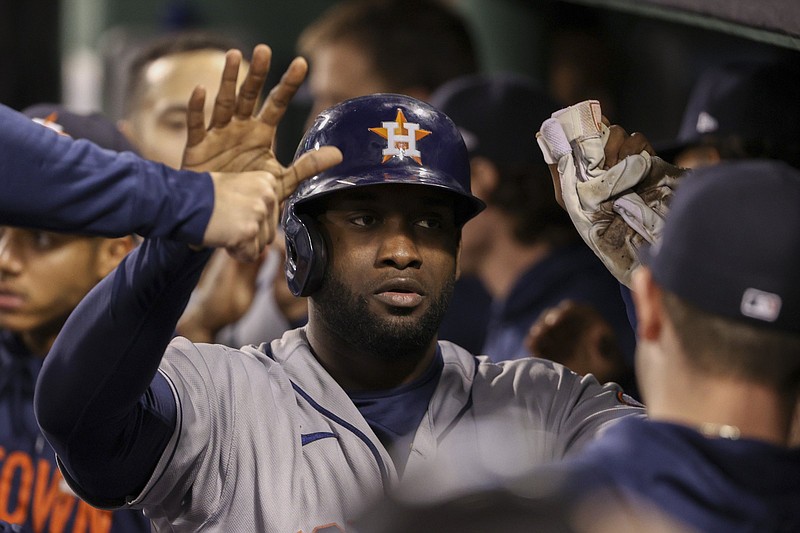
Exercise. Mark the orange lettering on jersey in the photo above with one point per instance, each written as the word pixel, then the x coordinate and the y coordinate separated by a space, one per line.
pixel 17 463
pixel 91 520
pixel 50 501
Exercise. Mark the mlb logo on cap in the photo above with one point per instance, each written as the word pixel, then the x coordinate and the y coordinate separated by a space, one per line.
pixel 761 305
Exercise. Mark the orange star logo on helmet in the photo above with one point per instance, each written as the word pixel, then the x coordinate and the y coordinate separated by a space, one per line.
pixel 401 137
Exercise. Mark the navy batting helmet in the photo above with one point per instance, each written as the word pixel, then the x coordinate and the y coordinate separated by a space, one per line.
pixel 384 138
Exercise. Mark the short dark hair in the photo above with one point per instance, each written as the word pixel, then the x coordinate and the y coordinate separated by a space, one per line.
pixel 524 192
pixel 420 43
pixel 169 44
pixel 724 346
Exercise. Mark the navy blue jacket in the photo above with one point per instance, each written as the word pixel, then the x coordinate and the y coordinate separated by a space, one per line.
pixel 572 272
pixel 711 484
pixel 32 491
pixel 52 182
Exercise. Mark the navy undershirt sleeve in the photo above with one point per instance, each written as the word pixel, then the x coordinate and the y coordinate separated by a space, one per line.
pixel 630 308
pixel 52 182
pixel 99 399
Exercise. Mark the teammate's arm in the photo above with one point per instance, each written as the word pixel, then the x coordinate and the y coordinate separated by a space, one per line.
pixel 52 182
pixel 99 399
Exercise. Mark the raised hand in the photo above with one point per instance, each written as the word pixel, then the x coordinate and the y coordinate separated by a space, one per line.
pixel 237 148
pixel 237 139
pixel 616 192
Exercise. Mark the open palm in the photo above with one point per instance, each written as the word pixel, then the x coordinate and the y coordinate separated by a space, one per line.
pixel 237 139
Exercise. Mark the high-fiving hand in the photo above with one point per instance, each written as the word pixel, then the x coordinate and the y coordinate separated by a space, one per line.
pixel 237 148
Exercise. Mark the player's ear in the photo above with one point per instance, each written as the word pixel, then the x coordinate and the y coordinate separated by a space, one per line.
pixel 649 308
pixel 111 252
pixel 126 127
pixel 484 177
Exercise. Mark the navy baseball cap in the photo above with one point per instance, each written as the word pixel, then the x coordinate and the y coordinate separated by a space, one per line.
pixel 731 243
pixel 93 127
pixel 498 114
pixel 753 100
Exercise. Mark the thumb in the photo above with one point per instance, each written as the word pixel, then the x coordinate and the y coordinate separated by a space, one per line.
pixel 308 165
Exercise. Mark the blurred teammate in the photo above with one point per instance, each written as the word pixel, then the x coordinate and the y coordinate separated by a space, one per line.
pixel 235 303
pixel 355 48
pixel 739 110
pixel 43 276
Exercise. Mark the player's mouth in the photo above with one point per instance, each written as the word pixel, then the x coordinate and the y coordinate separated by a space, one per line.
pixel 10 301
pixel 400 292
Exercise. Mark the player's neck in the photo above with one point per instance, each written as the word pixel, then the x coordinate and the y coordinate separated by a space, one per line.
pixel 39 341
pixel 725 407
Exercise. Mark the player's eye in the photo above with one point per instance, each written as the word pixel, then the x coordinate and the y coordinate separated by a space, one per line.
pixel 42 240
pixel 174 125
pixel 173 121
pixel 364 221
pixel 431 223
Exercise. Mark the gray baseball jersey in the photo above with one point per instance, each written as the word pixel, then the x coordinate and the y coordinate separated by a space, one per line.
pixel 274 444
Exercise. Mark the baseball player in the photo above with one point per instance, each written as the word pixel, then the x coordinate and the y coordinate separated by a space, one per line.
pixel 53 182
pixel 43 276
pixel 301 433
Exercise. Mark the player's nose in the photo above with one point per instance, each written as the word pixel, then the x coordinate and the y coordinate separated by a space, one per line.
pixel 10 261
pixel 398 246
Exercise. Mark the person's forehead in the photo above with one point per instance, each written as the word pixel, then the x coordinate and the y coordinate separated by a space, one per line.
pixel 28 234
pixel 189 68
pixel 344 69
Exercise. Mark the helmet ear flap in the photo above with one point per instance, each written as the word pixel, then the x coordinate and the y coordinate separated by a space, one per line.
pixel 306 254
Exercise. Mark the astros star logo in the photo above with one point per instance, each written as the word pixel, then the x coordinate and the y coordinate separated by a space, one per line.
pixel 401 137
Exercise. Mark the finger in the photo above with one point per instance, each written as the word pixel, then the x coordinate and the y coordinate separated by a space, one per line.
pixel 195 117
pixel 244 252
pixel 639 216
pixel 253 83
pixel 568 181
pixel 280 95
pixel 225 102
pixel 636 143
pixel 307 165
pixel 556 184
pixel 616 139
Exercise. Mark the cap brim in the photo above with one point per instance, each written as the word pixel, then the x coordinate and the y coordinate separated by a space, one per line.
pixel 467 205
